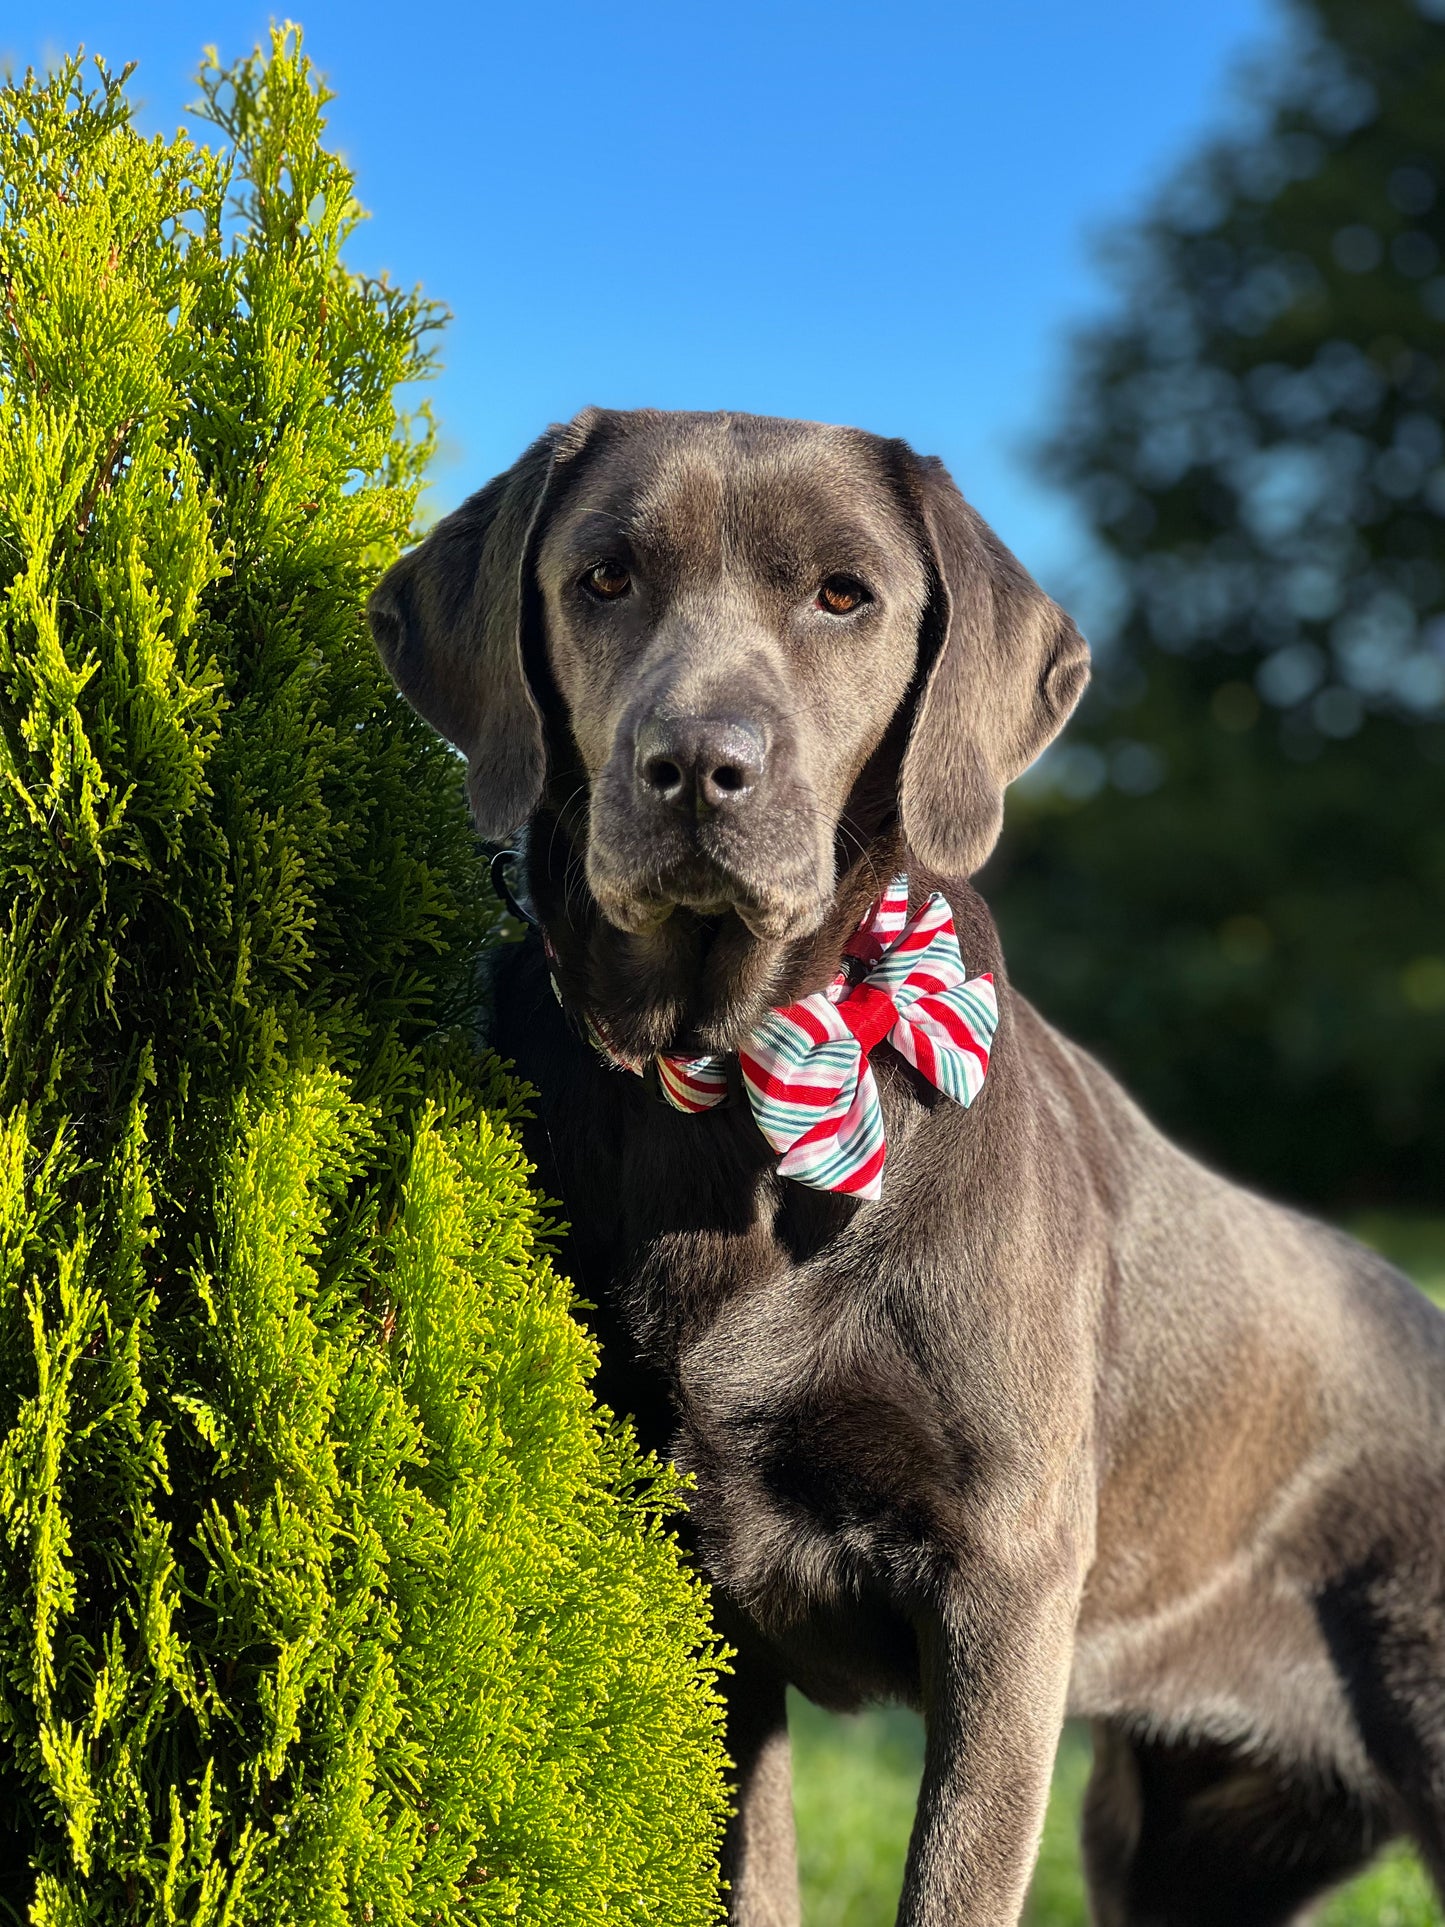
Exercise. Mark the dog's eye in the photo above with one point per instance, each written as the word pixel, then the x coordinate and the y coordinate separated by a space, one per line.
pixel 840 595
pixel 607 581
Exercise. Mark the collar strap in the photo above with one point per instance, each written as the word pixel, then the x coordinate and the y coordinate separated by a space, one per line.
pixel 805 1068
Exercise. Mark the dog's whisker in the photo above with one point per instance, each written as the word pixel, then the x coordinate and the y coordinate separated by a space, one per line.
pixel 558 820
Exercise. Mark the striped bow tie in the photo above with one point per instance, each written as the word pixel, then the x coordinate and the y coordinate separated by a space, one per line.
pixel 805 1068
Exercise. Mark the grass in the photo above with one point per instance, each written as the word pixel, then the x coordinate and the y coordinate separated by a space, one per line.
pixel 1415 1243
pixel 855 1780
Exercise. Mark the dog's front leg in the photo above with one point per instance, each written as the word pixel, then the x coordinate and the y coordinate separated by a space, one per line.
pixel 759 1860
pixel 995 1660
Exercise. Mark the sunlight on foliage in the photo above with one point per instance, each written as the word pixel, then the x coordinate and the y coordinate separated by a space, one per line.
pixel 328 1594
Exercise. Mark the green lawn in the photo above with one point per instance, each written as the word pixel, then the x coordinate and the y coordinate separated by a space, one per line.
pixel 855 1780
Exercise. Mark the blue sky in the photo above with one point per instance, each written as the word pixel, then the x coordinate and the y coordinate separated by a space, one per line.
pixel 882 214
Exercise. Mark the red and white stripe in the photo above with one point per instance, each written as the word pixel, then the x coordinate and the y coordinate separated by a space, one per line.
pixel 805 1068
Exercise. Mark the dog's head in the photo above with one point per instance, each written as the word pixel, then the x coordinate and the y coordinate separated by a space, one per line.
pixel 690 641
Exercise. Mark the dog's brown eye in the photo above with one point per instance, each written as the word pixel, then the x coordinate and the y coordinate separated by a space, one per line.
pixel 840 595
pixel 607 581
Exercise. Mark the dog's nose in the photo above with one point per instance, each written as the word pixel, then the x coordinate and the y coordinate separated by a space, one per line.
pixel 695 764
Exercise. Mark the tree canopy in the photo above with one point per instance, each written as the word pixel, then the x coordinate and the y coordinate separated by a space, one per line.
pixel 1230 877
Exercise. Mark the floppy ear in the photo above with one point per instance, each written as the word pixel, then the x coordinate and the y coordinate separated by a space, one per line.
pixel 447 620
pixel 1008 668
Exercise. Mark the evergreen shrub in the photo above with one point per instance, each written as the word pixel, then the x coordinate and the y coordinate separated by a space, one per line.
pixel 326 1593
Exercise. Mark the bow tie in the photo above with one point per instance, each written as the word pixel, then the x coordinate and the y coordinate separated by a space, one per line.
pixel 805 1068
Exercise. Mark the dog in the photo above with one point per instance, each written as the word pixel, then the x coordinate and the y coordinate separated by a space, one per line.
pixel 1060 1422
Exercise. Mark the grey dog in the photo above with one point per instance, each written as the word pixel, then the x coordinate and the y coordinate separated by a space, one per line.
pixel 1064 1423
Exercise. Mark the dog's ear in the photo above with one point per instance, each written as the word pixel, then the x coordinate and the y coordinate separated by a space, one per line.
pixel 1007 667
pixel 448 620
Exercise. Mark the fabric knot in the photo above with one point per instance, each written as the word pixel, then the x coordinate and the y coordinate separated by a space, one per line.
pixel 869 1013
pixel 805 1068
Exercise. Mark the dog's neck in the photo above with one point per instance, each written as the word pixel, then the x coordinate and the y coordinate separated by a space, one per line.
pixel 694 985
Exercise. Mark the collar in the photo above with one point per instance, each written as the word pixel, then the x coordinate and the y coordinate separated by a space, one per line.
pixel 805 1068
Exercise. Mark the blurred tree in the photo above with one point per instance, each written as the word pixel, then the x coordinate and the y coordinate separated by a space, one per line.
pixel 1230 876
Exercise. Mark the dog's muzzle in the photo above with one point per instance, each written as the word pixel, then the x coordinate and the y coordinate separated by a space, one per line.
pixel 702 812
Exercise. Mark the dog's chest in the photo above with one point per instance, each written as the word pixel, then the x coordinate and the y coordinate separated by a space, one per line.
pixel 761 1334
pixel 822 1453
pixel 819 1484
pixel 822 1478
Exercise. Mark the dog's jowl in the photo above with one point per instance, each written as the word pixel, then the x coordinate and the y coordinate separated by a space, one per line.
pixel 997 1402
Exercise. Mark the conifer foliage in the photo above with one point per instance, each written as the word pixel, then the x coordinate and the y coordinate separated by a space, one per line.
pixel 326 1593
